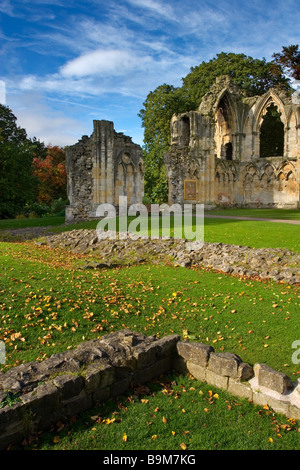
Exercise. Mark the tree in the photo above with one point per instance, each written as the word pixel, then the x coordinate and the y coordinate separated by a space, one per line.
pixel 288 60
pixel 253 76
pixel 17 183
pixel 156 115
pixel 50 173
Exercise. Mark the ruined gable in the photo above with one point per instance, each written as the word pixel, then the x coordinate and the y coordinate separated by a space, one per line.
pixel 236 151
pixel 100 169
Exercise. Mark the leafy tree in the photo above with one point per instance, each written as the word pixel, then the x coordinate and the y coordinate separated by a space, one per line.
pixel 156 115
pixel 17 184
pixel 253 76
pixel 289 60
pixel 51 175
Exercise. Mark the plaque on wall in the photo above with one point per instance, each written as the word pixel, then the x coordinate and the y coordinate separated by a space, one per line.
pixel 190 189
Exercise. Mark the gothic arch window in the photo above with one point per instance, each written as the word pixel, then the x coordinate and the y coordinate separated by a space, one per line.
pixel 185 131
pixel 224 128
pixel 272 133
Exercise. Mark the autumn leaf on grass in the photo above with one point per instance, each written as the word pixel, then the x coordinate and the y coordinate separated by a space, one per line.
pixel 56 440
pixel 164 420
pixel 183 446
pixel 124 437
pixel 109 421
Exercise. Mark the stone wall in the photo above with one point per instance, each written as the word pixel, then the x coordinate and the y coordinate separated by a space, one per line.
pixel 215 156
pixel 100 169
pixel 35 395
pixel 280 265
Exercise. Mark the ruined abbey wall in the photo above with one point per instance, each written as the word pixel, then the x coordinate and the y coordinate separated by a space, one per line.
pixel 217 155
pixel 100 169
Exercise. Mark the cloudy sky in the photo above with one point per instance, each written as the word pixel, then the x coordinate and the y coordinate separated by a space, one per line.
pixel 64 63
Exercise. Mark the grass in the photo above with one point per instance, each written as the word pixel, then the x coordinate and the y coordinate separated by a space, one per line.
pixel 176 414
pixel 284 214
pixel 237 232
pixel 48 305
pixel 6 224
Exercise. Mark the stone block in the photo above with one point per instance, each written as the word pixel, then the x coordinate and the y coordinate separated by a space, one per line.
pixel 199 372
pixel 121 386
pixel 217 380
pixel 76 404
pixel 11 426
pixel 103 374
pixel 293 412
pixel 197 353
pixel 242 390
pixel 224 364
pixel 101 395
pixel 179 364
pixel 245 371
pixel 68 385
pixel 42 406
pixel 146 354
pixel 272 379
pixel 260 398
pixel 154 370
pixel 167 345
pixel 279 406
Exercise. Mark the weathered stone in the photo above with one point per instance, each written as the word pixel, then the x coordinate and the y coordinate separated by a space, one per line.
pixel 198 353
pixel 88 185
pixel 242 390
pixel 227 258
pixel 270 378
pixel 68 385
pixel 215 155
pixel 216 380
pixel 197 371
pixel 224 364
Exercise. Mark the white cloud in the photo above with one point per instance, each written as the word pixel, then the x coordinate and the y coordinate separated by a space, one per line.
pixel 159 9
pixel 43 122
pixel 101 62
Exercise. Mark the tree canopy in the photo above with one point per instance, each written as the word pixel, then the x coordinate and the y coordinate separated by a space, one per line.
pixel 252 76
pixel 17 182
pixel 289 60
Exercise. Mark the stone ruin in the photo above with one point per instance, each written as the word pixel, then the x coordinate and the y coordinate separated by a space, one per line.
pixel 35 395
pixel 236 151
pixel 100 169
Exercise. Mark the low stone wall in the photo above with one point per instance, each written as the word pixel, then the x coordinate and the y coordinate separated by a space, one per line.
pixel 280 265
pixel 37 394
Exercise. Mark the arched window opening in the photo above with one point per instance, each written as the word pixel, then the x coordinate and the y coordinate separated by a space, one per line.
pixel 224 129
pixel 185 129
pixel 272 134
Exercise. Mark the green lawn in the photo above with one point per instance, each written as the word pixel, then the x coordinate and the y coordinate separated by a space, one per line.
pixel 6 224
pixel 48 304
pixel 284 214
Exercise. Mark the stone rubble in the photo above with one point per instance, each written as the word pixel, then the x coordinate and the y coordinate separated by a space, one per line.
pixel 280 265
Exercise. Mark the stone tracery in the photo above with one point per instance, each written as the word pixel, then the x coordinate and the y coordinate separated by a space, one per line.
pixel 225 138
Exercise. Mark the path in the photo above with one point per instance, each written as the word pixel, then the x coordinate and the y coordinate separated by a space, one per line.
pixel 283 221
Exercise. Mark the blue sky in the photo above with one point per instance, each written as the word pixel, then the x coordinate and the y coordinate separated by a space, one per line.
pixel 65 63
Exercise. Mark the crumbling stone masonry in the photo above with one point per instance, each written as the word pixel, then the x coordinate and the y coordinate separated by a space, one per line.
pixel 35 395
pixel 236 150
pixel 100 169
